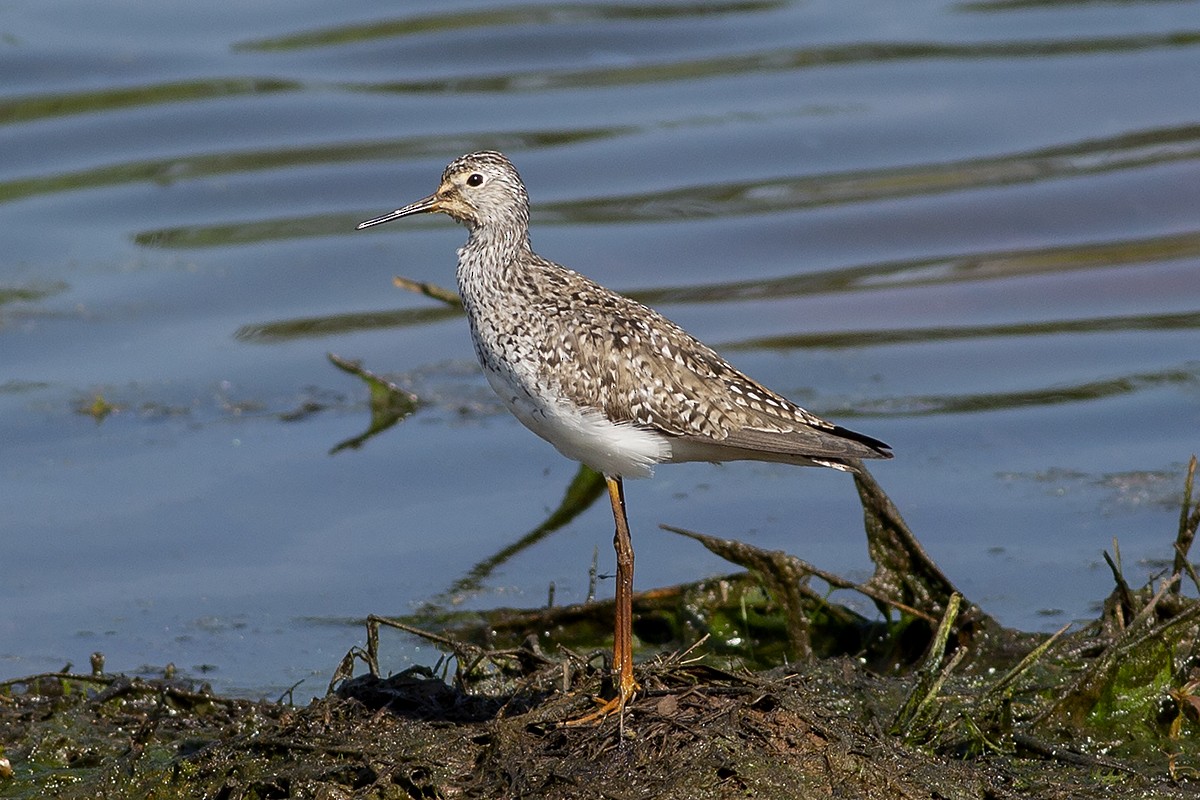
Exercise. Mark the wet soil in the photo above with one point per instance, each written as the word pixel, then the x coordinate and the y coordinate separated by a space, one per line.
pixel 935 700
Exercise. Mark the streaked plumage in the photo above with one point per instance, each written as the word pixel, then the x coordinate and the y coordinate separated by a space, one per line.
pixel 606 380
pixel 565 353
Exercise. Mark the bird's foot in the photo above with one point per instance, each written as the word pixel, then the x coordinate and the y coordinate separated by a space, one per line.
pixel 627 690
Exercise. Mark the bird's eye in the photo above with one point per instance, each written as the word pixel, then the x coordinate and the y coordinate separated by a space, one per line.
pixel 474 179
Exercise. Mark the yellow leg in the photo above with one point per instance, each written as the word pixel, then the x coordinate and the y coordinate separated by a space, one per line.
pixel 622 661
pixel 623 628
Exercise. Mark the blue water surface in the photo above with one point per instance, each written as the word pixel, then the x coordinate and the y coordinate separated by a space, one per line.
pixel 967 228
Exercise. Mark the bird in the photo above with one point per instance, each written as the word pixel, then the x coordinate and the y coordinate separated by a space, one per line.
pixel 609 382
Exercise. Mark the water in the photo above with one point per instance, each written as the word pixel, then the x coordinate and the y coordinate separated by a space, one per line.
pixel 968 229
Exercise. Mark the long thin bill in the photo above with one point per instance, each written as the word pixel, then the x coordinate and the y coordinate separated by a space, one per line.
pixel 420 207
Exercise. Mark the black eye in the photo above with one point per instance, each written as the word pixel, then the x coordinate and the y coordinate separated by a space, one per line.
pixel 474 179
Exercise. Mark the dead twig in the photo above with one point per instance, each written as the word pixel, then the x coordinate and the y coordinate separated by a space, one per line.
pixel 1066 755
pixel 1187 567
pixel 781 574
pixel 784 576
pixel 432 290
pixel 1000 687
pixel 1126 604
pixel 1148 610
pixel 904 572
pixel 437 638
pixel 1189 520
pixel 723 546
pixel 931 675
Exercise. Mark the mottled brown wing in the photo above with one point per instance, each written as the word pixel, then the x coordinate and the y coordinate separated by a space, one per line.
pixel 636 366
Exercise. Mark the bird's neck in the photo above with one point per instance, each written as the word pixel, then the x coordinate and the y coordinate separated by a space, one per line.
pixel 489 256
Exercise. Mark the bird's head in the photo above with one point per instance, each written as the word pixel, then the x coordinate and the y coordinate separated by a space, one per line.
pixel 481 190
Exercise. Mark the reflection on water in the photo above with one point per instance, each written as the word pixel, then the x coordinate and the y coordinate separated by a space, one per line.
pixel 316 327
pixel 1188 376
pixel 1128 151
pixel 545 16
pixel 787 60
pixel 37 107
pixel 972 222
pixel 897 336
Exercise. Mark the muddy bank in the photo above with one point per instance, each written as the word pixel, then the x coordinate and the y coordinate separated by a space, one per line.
pixel 931 700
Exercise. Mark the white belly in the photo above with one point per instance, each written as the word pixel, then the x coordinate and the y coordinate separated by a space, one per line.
pixel 585 435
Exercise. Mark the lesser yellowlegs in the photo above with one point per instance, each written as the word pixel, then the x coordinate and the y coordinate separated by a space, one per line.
pixel 606 380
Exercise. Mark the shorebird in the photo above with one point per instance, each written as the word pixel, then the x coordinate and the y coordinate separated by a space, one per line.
pixel 606 380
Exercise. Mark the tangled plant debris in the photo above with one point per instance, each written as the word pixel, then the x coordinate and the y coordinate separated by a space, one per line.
pixel 773 691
